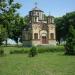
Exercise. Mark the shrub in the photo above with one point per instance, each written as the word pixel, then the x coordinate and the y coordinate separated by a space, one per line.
pixel 33 52
pixel 17 52
pixel 70 47
pixel 43 49
pixel 39 49
pixel 21 51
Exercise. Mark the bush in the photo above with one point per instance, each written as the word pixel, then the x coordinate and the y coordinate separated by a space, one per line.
pixel 43 49
pixel 33 52
pixel 21 51
pixel 1 51
pixel 39 49
pixel 17 52
pixel 70 47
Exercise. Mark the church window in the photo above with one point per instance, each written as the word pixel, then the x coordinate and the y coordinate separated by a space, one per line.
pixel 38 13
pixel 35 19
pixel 35 36
pixel 52 36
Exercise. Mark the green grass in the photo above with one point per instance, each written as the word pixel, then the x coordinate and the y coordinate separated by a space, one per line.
pixel 42 64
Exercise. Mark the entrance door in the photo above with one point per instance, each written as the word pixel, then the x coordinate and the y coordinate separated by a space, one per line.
pixel 44 40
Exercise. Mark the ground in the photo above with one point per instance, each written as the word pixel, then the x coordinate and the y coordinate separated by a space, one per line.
pixel 42 64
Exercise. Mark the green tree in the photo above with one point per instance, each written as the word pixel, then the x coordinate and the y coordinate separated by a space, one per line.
pixel 70 42
pixel 17 28
pixel 62 25
pixel 8 10
pixel 59 28
pixel 2 33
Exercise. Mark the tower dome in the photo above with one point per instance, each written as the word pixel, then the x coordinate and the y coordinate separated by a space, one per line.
pixel 36 14
pixel 37 9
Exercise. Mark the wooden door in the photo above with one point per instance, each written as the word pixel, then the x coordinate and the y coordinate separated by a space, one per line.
pixel 44 40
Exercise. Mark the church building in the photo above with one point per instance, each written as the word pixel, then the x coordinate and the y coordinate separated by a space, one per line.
pixel 40 31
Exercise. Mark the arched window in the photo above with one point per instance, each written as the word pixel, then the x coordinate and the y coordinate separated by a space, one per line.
pixel 52 36
pixel 35 19
pixel 35 36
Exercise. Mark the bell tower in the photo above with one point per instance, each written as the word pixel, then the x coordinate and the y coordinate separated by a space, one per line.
pixel 50 19
pixel 36 14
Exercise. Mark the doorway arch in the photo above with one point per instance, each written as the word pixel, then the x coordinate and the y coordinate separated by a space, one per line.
pixel 44 38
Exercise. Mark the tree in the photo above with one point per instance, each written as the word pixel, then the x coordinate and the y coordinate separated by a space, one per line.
pixel 2 30
pixel 62 25
pixel 59 28
pixel 1 35
pixel 7 14
pixel 21 23
pixel 70 42
pixel 17 28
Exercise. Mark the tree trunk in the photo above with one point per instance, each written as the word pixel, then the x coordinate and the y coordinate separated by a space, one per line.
pixel 6 42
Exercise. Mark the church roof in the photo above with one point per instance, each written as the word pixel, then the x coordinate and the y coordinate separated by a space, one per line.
pixel 36 9
pixel 50 16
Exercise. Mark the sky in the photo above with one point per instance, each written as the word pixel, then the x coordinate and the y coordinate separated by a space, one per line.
pixel 55 8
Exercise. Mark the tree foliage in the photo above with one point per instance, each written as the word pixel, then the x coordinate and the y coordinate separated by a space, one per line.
pixel 12 21
pixel 70 42
pixel 7 15
pixel 62 25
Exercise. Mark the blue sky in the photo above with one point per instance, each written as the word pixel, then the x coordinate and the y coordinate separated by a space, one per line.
pixel 54 7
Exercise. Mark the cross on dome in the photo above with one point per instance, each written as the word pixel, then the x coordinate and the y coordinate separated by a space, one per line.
pixel 36 4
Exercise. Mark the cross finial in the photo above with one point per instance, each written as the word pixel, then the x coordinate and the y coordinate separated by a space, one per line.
pixel 35 4
pixel 49 13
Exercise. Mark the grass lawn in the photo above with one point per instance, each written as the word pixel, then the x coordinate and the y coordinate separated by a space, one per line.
pixel 42 64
